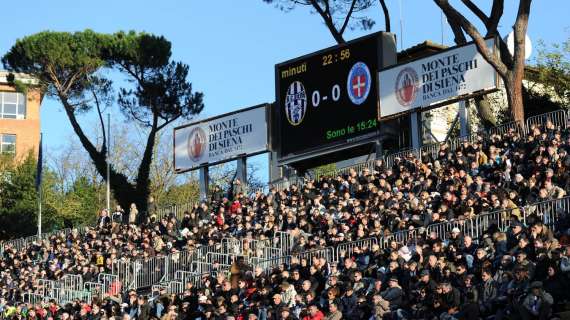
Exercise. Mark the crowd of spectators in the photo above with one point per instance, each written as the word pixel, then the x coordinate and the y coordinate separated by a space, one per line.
pixel 521 272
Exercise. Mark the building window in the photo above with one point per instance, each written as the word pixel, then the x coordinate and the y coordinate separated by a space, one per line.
pixel 12 105
pixel 7 143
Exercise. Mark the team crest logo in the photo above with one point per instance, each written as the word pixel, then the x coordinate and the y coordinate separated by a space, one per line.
pixel 406 86
pixel 359 83
pixel 296 103
pixel 196 144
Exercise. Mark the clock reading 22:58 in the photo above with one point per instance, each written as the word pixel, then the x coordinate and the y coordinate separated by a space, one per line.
pixel 324 91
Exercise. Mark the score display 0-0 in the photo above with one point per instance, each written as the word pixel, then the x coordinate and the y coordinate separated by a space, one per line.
pixel 323 97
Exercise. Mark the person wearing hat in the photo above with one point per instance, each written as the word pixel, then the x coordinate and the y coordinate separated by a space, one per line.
pixel 537 304
pixel 349 303
pixel 393 294
pixel 514 233
pixel 456 239
pixel 286 314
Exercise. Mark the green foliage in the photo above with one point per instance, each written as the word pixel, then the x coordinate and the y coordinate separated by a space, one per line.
pixel 61 61
pixel 78 205
pixel 160 87
pixel 325 169
pixel 19 200
pixel 73 66
pixel 180 194
pixel 552 69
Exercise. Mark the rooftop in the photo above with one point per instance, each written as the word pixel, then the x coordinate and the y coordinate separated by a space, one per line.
pixel 25 78
pixel 420 50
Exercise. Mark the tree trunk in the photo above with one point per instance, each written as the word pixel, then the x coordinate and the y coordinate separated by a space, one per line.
pixel 121 188
pixel 513 87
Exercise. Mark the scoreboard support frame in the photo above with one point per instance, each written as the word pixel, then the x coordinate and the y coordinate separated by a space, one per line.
pixel 415 127
pixel 241 171
pixel 204 182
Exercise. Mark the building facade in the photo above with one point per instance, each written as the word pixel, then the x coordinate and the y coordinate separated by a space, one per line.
pixel 19 118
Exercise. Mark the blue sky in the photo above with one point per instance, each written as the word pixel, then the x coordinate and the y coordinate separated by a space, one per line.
pixel 232 46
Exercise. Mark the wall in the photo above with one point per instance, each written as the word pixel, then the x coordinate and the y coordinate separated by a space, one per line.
pixel 27 131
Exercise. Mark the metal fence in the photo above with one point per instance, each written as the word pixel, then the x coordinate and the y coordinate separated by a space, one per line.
pixel 553 213
pixel 270 264
pixel 148 271
pixel 34 298
pixel 557 119
pixel 327 253
pixel 410 153
pixel 162 272
pixel 403 237
pixel 124 272
pixel 178 261
pixel 347 249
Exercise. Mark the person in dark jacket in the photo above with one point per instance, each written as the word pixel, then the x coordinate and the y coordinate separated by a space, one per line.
pixel 143 308
pixel 393 294
pixel 556 285
pixel 217 195
pixel 349 304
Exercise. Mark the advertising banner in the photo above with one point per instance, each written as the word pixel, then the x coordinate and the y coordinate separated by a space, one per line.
pixel 219 139
pixel 435 79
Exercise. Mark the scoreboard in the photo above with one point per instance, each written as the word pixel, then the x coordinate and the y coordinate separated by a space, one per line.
pixel 328 98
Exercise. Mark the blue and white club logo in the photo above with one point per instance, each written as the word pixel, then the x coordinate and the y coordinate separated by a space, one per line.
pixel 295 103
pixel 358 83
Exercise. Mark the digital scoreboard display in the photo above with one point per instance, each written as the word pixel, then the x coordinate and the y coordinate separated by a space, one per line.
pixel 328 98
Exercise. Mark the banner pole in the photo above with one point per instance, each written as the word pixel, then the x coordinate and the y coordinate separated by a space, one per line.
pixel 40 187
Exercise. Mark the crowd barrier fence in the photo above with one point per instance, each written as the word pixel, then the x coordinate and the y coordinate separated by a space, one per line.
pixel 348 248
pixel 327 253
pixel 271 263
pixel 150 272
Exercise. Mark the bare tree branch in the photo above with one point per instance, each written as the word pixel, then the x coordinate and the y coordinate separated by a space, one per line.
pixel 478 12
pixel 325 14
pixel 495 17
pixel 458 33
pixel 386 15
pixel 471 30
pixel 347 18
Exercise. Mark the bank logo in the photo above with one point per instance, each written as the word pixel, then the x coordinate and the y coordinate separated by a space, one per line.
pixel 406 89
pixel 296 103
pixel 359 83
pixel 196 144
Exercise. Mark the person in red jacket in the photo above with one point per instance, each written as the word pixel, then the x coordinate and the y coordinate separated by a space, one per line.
pixel 314 313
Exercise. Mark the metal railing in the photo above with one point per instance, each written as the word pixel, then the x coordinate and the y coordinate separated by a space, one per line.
pixel 347 249
pixel 155 272
pixel 558 119
pixel 270 264
pixel 327 253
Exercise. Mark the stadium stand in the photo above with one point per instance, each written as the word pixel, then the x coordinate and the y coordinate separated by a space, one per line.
pixel 470 229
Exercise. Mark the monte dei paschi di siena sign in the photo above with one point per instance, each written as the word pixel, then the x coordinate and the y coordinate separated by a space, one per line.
pixel 434 79
pixel 220 139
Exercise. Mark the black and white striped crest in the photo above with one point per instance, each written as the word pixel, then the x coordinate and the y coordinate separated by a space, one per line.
pixel 295 103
